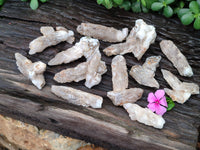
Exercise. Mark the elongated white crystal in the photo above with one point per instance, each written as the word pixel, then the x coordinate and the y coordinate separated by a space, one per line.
pixel 101 32
pixel 33 71
pixel 176 57
pixel 144 115
pixel 145 74
pixel 50 37
pixel 181 90
pixel 138 41
pixel 77 97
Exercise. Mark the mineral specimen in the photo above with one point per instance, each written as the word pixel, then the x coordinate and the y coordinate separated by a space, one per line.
pixel 85 47
pixel 33 71
pixel 181 90
pixel 101 32
pixel 176 57
pixel 144 115
pixel 145 74
pixel 77 97
pixel 138 41
pixel 126 96
pixel 50 37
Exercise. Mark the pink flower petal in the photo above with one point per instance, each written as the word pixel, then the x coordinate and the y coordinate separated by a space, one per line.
pixel 152 107
pixel 159 94
pixel 151 98
pixel 163 102
pixel 161 110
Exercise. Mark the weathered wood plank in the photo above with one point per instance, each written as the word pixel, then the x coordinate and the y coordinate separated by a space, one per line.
pixel 112 126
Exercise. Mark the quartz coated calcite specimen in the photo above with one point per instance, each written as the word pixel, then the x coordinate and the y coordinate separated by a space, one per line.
pixel 120 94
pixel 77 97
pixel 145 74
pixel 144 115
pixel 138 41
pixel 181 90
pixel 33 71
pixel 50 37
pixel 101 32
pixel 176 57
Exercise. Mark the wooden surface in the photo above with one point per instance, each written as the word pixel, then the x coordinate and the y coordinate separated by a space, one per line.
pixel 110 126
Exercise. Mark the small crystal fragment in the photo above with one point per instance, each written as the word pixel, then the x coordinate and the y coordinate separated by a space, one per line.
pixel 33 71
pixel 126 96
pixel 176 57
pixel 138 41
pixel 50 37
pixel 101 32
pixel 144 115
pixel 181 90
pixel 145 74
pixel 77 97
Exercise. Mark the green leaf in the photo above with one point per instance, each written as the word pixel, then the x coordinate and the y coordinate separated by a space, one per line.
pixel 149 3
pixel 119 2
pixel 136 7
pixel 198 1
pixel 197 23
pixel 170 103
pixel 126 5
pixel 181 4
pixel 34 4
pixel 157 6
pixel 43 1
pixel 187 18
pixel 1 2
pixel 108 4
pixel 194 7
pixel 99 2
pixel 169 1
pixel 167 11
pixel 143 3
pixel 144 9
pixel 183 11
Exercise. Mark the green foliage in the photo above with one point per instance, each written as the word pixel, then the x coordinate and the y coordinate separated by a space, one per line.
pixel 187 10
pixel 170 103
pixel 34 4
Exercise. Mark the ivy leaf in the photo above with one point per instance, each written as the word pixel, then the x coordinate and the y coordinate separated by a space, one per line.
pixel 136 7
pixel 169 1
pixel 126 5
pixel 197 23
pixel 183 11
pixel 119 2
pixel 187 18
pixel 168 11
pixel 194 7
pixel 34 4
pixel 157 6
pixel 170 103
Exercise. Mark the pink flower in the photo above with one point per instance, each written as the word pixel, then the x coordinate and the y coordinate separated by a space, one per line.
pixel 157 102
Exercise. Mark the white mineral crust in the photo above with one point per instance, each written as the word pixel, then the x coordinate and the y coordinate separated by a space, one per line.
pixel 33 71
pixel 144 115
pixel 77 97
pixel 145 74
pixel 126 96
pixel 181 91
pixel 176 57
pixel 138 41
pixel 101 32
pixel 50 37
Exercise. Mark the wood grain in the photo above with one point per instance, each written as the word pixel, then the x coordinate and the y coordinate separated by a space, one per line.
pixel 110 126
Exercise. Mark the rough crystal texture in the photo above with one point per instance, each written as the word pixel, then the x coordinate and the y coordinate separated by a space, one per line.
pixel 176 57
pixel 145 74
pixel 50 37
pixel 144 115
pixel 119 73
pixel 101 32
pixel 33 71
pixel 138 41
pixel 181 90
pixel 77 97
pixel 85 47
pixel 126 96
